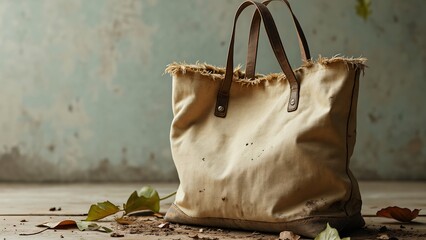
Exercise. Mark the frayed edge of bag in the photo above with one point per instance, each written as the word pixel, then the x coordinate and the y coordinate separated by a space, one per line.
pixel 357 63
pixel 215 73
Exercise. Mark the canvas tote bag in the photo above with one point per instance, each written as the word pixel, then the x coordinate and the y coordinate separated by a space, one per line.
pixel 266 152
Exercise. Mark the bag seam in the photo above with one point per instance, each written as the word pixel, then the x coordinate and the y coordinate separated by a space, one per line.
pixel 256 221
pixel 347 141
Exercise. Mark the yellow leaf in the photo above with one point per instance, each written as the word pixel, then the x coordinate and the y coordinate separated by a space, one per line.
pixel 363 8
pixel 329 234
pixel 101 210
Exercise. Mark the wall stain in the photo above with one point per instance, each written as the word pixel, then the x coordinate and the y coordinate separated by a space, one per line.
pixel 415 146
pixel 18 167
pixel 373 118
pixel 51 148
pixel 124 160
pixel 395 19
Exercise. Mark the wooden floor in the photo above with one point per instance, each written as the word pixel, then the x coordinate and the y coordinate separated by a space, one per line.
pixel 23 206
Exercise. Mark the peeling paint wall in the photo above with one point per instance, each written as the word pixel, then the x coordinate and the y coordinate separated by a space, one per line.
pixel 83 96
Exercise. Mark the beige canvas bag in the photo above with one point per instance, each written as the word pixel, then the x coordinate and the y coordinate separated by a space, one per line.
pixel 266 152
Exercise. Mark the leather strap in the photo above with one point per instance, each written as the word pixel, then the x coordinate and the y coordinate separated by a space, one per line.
pixel 277 46
pixel 254 41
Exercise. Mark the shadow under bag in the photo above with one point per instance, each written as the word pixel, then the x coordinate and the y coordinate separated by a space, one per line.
pixel 266 152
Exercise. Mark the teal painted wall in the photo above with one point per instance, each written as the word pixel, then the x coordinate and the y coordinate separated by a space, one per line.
pixel 83 96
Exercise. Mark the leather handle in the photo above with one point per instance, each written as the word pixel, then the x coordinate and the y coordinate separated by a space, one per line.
pixel 254 40
pixel 277 46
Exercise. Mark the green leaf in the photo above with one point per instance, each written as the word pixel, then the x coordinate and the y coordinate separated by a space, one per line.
pixel 146 199
pixel 330 234
pixel 101 210
pixel 363 8
pixel 91 226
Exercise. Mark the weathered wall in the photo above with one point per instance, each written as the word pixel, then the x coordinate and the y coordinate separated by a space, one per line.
pixel 82 95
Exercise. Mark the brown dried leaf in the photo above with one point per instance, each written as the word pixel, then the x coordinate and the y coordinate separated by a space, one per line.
pixel 81 225
pixel 400 214
pixel 70 224
pixel 65 224
pixel 124 220
pixel 287 235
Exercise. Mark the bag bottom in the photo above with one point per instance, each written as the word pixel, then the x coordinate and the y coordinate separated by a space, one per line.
pixel 308 227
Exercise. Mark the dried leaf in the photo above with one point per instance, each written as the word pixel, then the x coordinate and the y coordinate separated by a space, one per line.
pixel 69 224
pixel 363 8
pixel 146 199
pixel 329 234
pixel 101 210
pixel 124 221
pixel 65 224
pixel 287 235
pixel 400 214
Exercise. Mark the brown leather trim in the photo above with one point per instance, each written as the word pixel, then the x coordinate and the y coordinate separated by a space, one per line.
pixel 254 40
pixel 309 226
pixel 222 101
pixel 277 47
pixel 293 102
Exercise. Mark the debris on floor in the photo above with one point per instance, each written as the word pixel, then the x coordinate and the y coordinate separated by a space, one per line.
pixel 151 225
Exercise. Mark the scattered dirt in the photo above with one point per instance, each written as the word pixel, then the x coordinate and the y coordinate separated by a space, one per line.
pixel 149 225
pixel 53 209
pixel 391 232
pixel 156 226
pixel 116 235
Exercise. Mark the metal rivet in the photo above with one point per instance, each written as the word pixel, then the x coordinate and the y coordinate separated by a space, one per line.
pixel 220 108
pixel 292 101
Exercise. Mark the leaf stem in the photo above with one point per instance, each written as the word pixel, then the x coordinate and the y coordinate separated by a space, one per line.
pixel 35 233
pixel 170 195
